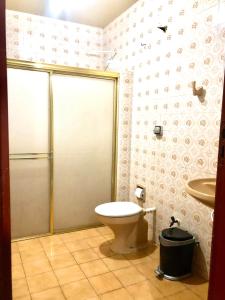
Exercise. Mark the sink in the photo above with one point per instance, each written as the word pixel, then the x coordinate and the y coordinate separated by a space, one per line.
pixel 203 190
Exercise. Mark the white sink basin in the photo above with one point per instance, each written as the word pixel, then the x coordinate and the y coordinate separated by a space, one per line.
pixel 203 190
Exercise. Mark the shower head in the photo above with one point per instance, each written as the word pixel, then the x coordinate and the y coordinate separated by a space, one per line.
pixel 163 28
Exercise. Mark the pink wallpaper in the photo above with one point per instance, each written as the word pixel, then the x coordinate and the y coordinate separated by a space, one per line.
pixel 162 68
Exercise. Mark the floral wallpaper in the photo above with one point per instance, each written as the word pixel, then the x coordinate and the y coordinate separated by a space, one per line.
pixel 156 72
pixel 163 66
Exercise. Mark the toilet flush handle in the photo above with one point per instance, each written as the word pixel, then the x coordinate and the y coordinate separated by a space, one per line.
pixel 149 210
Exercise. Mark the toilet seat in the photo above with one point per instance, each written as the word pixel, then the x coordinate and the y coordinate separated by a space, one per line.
pixel 118 209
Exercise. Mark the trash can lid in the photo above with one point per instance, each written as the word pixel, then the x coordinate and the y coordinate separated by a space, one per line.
pixel 176 234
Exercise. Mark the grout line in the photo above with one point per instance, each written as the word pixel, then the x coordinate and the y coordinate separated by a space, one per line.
pixel 80 270
pixel 64 243
pixel 43 273
pixel 56 277
pixel 46 256
pixel 25 278
pixel 100 259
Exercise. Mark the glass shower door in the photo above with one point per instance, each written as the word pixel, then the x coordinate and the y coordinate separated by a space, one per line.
pixel 28 99
pixel 83 135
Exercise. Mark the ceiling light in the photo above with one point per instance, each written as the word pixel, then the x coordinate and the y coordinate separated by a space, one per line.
pixel 55 7
pixel 58 7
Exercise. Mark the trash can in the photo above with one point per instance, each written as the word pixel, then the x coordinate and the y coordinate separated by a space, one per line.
pixel 176 254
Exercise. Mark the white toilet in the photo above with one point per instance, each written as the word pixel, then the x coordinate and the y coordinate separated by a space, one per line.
pixel 126 219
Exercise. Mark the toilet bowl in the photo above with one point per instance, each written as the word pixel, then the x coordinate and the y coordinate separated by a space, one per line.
pixel 126 219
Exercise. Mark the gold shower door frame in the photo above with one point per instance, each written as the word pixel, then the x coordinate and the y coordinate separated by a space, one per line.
pixel 65 70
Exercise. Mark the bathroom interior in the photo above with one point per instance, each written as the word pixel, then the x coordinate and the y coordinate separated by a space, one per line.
pixel 114 122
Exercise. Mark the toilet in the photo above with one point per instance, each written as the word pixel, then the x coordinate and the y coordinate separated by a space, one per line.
pixel 126 219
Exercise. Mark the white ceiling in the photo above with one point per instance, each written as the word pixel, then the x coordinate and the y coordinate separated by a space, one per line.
pixel 90 12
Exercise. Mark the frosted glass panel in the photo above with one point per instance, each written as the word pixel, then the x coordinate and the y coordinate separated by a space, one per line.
pixel 83 129
pixel 28 98
pixel 29 189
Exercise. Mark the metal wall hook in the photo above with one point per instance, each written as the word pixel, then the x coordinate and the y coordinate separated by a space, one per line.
pixel 199 92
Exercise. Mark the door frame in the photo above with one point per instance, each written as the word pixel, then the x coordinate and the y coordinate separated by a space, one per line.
pixel 5 232
pixel 73 71
pixel 216 285
pixel 217 267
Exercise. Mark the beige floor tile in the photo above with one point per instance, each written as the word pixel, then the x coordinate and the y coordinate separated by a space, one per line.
pixel 94 268
pixel 20 288
pixel 29 255
pixel 28 243
pixel 72 236
pixel 139 257
pixel 62 261
pixel 18 272
pixel 52 294
pixel 166 287
pixel 36 267
pixel 104 251
pixel 116 262
pixel 105 282
pixel 194 280
pixel 84 256
pixel 51 240
pixel 80 290
pixel 120 294
pixel 129 276
pixel 75 236
pixel 144 291
pixel 198 285
pixel 77 245
pixel 80 235
pixel 53 250
pixel 16 259
pixel 109 237
pixel 104 230
pixel 201 291
pixel 185 295
pixel 32 244
pixel 69 274
pixel 92 232
pixel 41 282
pixel 23 298
pixel 154 251
pixel 154 262
pixel 146 268
pixel 14 247
pixel 96 241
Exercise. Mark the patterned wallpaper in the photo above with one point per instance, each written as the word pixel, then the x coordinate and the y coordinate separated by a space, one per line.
pixel 41 39
pixel 162 66
pixel 155 88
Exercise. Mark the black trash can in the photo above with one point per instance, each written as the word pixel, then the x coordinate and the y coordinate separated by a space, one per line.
pixel 176 254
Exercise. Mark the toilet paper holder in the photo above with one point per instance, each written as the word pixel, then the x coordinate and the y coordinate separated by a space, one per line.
pixel 140 192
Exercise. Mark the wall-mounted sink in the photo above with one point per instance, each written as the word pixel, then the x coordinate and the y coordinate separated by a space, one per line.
pixel 202 189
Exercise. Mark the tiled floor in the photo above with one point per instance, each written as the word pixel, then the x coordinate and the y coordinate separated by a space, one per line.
pixel 80 265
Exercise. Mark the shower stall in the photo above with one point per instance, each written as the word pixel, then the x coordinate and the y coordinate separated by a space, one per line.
pixel 62 139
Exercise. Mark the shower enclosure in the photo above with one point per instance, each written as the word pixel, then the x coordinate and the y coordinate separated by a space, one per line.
pixel 62 138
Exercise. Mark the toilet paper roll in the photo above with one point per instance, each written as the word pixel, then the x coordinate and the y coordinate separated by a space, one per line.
pixel 139 193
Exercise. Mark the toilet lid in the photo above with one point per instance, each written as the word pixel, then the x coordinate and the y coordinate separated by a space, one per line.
pixel 118 209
